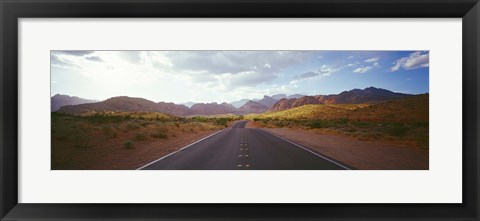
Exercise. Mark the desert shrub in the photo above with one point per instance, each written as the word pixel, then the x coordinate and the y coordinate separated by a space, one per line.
pixel 221 121
pixel 316 124
pixel 102 118
pixel 398 130
pixel 280 124
pixel 321 124
pixel 360 124
pixel 159 135
pixel 139 137
pixel 128 144
pixel 343 121
pixel 200 119
pixel 256 119
pixel 145 123
pixel 132 126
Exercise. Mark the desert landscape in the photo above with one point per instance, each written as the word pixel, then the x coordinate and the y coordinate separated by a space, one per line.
pixel 96 135
pixel 367 128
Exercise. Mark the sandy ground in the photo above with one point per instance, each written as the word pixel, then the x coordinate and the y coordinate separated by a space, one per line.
pixel 366 155
pixel 114 156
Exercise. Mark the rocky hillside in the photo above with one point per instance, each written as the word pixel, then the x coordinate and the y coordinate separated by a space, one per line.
pixel 252 107
pixel 127 104
pixel 212 109
pixel 267 101
pixel 370 95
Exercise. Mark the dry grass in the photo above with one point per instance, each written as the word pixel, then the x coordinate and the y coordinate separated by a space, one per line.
pixel 122 140
pixel 311 111
pixel 402 121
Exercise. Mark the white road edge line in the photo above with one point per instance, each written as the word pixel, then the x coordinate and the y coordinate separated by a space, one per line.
pixel 161 158
pixel 310 151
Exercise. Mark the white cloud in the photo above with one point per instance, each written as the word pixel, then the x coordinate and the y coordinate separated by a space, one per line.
pixel 234 69
pixel 362 69
pixel 220 62
pixel 326 70
pixel 323 71
pixel 413 61
pixel 203 75
pixel 94 58
pixel 371 60
pixel 62 61
pixel 351 64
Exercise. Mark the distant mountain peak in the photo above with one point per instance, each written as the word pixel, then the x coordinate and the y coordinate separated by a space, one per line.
pixel 279 96
pixel 267 101
pixel 60 100
pixel 239 103
pixel 252 107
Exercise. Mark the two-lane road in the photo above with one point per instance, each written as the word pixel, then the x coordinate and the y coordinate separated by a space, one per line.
pixel 240 148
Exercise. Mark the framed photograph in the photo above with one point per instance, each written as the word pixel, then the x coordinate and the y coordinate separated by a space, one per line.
pixel 255 110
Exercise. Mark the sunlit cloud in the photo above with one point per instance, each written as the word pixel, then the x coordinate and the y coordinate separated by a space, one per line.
pixel 372 60
pixel 362 69
pixel 213 76
pixel 413 61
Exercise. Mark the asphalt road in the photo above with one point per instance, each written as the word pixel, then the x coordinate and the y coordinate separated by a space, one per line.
pixel 240 148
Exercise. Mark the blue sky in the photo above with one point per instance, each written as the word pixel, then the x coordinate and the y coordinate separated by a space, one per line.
pixel 225 76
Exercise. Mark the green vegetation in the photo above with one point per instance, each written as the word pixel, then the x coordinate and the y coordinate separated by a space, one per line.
pixel 128 144
pixel 159 135
pixel 221 121
pixel 90 140
pixel 97 129
pixel 403 120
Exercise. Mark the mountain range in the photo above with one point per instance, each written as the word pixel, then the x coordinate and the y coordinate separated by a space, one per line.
pixel 245 106
pixel 267 101
pixel 61 100
pixel 368 95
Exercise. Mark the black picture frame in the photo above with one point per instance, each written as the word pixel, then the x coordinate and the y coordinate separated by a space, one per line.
pixel 12 10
